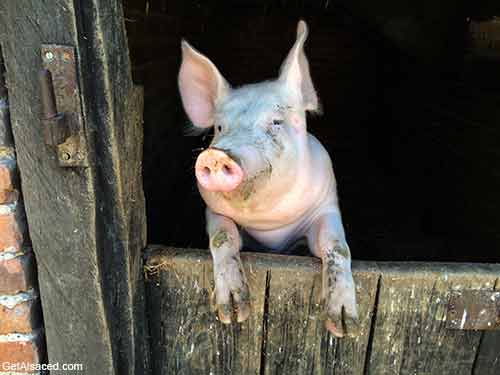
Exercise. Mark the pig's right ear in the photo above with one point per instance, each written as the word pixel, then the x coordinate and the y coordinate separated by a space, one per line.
pixel 295 71
pixel 201 86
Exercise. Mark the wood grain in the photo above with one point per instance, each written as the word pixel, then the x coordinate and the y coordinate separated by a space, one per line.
pixel 187 337
pixel 410 334
pixel 67 261
pixel 285 333
pixel 402 312
pixel 488 356
pixel 297 341
pixel 87 225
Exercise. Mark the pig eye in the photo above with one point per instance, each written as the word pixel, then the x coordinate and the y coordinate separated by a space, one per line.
pixel 219 128
pixel 275 126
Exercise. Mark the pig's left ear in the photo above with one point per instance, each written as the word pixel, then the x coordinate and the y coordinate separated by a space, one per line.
pixel 201 86
pixel 295 71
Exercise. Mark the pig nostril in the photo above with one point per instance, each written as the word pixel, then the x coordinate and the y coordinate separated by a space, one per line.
pixel 227 170
pixel 206 171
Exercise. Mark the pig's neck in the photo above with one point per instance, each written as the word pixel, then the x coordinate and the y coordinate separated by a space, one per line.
pixel 292 199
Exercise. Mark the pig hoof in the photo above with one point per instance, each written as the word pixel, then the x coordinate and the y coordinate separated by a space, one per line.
pixel 231 291
pixel 225 313
pixel 236 311
pixel 352 326
pixel 242 311
pixel 334 325
pixel 341 307
pixel 349 326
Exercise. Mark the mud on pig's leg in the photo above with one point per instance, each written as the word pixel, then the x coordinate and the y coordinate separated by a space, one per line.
pixel 231 287
pixel 327 241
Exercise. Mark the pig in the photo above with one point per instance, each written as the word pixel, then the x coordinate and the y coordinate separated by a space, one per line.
pixel 265 177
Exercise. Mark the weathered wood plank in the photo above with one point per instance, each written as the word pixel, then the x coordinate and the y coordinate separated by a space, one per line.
pixel 285 334
pixel 297 341
pixel 113 108
pixel 292 326
pixel 410 334
pixel 59 203
pixel 87 225
pixel 350 353
pixel 488 356
pixel 186 336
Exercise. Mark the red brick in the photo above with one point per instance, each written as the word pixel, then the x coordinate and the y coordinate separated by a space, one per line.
pixel 7 173
pixel 20 353
pixel 16 274
pixel 8 196
pixel 22 318
pixel 11 231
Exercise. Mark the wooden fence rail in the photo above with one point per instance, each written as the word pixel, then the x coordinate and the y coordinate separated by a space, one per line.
pixel 403 309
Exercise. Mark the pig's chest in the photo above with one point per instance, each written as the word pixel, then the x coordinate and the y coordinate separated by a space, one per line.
pixel 276 226
pixel 282 240
pixel 283 216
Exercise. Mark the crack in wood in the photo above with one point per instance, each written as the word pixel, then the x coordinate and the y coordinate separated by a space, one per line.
pixel 372 327
pixel 265 317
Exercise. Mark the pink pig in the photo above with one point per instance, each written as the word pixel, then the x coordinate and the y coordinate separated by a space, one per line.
pixel 265 176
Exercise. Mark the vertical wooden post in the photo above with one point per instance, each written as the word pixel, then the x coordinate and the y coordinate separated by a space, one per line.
pixel 87 225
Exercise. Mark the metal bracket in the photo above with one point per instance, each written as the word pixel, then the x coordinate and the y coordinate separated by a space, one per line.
pixel 474 310
pixel 63 120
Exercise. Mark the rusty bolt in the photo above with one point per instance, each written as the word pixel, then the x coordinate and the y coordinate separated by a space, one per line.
pixel 55 129
pixel 49 109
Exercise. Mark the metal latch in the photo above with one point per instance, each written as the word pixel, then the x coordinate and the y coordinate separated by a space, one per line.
pixel 474 310
pixel 62 118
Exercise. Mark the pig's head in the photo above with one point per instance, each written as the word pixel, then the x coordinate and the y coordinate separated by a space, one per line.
pixel 260 136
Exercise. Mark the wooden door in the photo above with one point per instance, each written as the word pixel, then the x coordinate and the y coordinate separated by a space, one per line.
pixel 407 325
pixel 87 223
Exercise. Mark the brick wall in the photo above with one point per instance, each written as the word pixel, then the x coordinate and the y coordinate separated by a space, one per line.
pixel 21 333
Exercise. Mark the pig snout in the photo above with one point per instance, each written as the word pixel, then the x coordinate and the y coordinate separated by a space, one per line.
pixel 217 171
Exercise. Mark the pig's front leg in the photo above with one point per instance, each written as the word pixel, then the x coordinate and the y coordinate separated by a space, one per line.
pixel 231 287
pixel 327 241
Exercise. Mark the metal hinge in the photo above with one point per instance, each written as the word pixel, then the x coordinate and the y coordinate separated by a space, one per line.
pixel 474 310
pixel 62 117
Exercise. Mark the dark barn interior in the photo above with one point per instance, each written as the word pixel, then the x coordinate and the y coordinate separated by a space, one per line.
pixel 411 111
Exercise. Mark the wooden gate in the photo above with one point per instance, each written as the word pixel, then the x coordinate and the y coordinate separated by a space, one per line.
pixel 408 322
